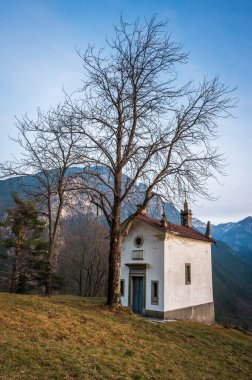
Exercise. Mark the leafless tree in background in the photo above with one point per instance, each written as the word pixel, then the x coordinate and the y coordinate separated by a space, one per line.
pixel 48 156
pixel 83 261
pixel 140 125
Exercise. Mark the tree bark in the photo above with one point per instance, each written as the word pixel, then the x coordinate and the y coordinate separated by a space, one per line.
pixel 80 282
pixel 114 297
pixel 48 279
pixel 14 273
pixel 13 287
pixel 51 253
pixel 49 270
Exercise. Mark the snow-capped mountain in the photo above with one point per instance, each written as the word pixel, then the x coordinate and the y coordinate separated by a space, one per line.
pixel 198 224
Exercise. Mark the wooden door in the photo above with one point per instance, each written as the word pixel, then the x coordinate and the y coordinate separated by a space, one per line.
pixel 138 293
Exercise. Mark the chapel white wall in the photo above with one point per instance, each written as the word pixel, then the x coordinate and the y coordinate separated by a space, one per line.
pixel 178 252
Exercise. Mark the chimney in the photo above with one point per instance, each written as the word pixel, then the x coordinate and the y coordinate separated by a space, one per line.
pixel 185 205
pixel 208 232
pixel 144 211
pixel 186 216
pixel 164 220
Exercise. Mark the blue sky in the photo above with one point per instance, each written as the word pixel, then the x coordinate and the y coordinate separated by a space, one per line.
pixel 38 58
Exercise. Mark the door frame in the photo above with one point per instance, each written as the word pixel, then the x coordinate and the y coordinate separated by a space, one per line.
pixel 137 270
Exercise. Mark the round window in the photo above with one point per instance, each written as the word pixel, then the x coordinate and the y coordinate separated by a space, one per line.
pixel 138 241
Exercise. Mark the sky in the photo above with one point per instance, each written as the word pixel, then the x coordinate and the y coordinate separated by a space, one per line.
pixel 38 41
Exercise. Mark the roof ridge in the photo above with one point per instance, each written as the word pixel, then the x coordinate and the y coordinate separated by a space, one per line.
pixel 184 231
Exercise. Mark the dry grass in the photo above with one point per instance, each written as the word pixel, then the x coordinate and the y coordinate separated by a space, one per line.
pixel 74 338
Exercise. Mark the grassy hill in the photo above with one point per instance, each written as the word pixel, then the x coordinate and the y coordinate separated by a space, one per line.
pixel 74 338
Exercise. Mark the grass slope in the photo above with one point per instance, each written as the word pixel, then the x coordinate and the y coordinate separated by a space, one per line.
pixel 73 338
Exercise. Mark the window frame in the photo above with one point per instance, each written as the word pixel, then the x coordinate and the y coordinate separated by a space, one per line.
pixel 122 287
pixel 142 241
pixel 154 300
pixel 188 281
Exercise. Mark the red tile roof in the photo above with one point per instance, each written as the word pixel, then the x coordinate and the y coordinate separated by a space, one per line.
pixel 175 229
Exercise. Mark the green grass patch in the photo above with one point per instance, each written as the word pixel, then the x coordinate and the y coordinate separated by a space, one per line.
pixel 67 337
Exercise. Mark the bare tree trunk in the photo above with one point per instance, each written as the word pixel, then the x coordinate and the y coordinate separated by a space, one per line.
pixel 114 298
pixel 51 252
pixel 80 282
pixel 13 286
pixel 49 269
pixel 48 276
pixel 14 273
pixel 89 281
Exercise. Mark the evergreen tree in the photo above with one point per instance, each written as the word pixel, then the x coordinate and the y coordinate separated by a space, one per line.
pixel 21 236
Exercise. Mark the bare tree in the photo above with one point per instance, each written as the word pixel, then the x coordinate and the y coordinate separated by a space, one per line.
pixel 140 125
pixel 49 157
pixel 84 258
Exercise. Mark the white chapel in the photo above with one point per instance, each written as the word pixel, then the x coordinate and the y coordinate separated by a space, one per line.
pixel 166 269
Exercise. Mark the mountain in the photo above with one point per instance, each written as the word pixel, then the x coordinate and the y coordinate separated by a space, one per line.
pixel 232 286
pixel 21 184
pixel 9 185
pixel 238 236
pixel 199 225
